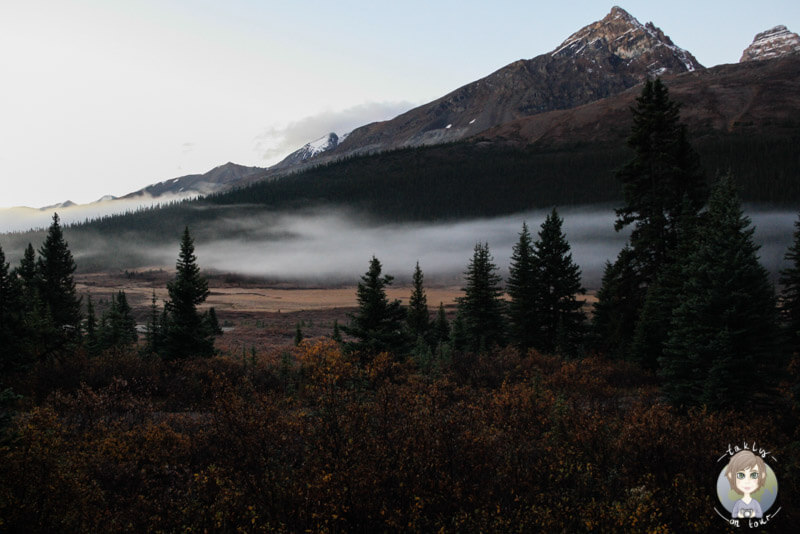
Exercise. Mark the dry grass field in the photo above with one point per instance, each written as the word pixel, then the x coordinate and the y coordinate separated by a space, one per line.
pixel 256 314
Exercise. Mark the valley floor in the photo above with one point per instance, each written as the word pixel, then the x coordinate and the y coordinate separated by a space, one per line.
pixel 253 313
pixel 258 314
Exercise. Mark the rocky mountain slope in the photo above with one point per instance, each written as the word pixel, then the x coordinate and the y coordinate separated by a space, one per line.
pixel 759 98
pixel 310 150
pixel 599 60
pixel 198 184
pixel 775 42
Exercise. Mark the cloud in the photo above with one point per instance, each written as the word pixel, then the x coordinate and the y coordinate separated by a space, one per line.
pixel 278 141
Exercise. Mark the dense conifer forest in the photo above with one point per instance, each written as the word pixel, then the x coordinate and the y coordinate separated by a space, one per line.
pixel 454 182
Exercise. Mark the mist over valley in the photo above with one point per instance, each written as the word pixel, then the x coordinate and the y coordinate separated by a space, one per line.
pixel 333 246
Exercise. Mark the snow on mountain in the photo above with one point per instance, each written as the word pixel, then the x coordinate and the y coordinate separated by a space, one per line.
pixel 622 35
pixel 775 42
pixel 314 148
pixel 599 60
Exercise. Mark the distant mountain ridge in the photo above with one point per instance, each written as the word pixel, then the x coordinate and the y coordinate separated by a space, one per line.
pixel 198 184
pixel 598 62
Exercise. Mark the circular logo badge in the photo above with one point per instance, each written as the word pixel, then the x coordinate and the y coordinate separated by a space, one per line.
pixel 747 486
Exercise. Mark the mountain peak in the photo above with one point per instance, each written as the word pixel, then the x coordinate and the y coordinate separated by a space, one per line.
pixel 604 58
pixel 772 43
pixel 620 35
pixel 619 13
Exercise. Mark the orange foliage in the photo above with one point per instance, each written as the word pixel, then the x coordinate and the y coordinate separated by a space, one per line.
pixel 517 443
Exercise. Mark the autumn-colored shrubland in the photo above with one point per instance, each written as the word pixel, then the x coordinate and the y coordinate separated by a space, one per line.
pixel 317 441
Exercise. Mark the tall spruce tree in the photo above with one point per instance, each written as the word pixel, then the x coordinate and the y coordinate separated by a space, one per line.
pixel 523 288
pixel 185 330
pixel 721 347
pixel 378 325
pixel 418 317
pixel 559 280
pixel 56 290
pixel 481 311
pixel 663 174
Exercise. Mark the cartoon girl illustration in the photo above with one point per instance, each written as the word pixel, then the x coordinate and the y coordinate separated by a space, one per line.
pixel 746 474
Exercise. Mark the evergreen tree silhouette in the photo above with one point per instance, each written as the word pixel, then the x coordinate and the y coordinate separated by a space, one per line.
pixel 481 309
pixel 185 330
pixel 378 325
pixel 721 348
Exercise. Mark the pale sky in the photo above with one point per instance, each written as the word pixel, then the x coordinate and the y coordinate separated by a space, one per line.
pixel 106 97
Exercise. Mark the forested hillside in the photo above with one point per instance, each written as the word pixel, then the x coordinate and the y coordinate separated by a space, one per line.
pixel 449 182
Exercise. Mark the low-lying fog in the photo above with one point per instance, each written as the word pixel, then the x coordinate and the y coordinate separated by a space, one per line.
pixel 330 247
pixel 322 247
pixel 21 218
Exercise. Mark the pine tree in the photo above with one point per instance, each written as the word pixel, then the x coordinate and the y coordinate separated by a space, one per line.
pixel 417 315
pixel 617 308
pixel 559 280
pixel 298 335
pixel 337 335
pixel 663 175
pixel 27 275
pixel 378 325
pixel 54 269
pixel 663 297
pixel 458 334
pixel 441 328
pixel 664 172
pixel 11 317
pixel 117 325
pixel 92 337
pixel 37 331
pixel 213 322
pixel 152 335
pixel 721 347
pixel 790 293
pixel 185 330
pixel 523 289
pixel 481 308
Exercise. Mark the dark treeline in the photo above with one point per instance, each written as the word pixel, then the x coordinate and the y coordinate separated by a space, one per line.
pixel 519 413
pixel 461 181
pixel 42 317
pixel 456 181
